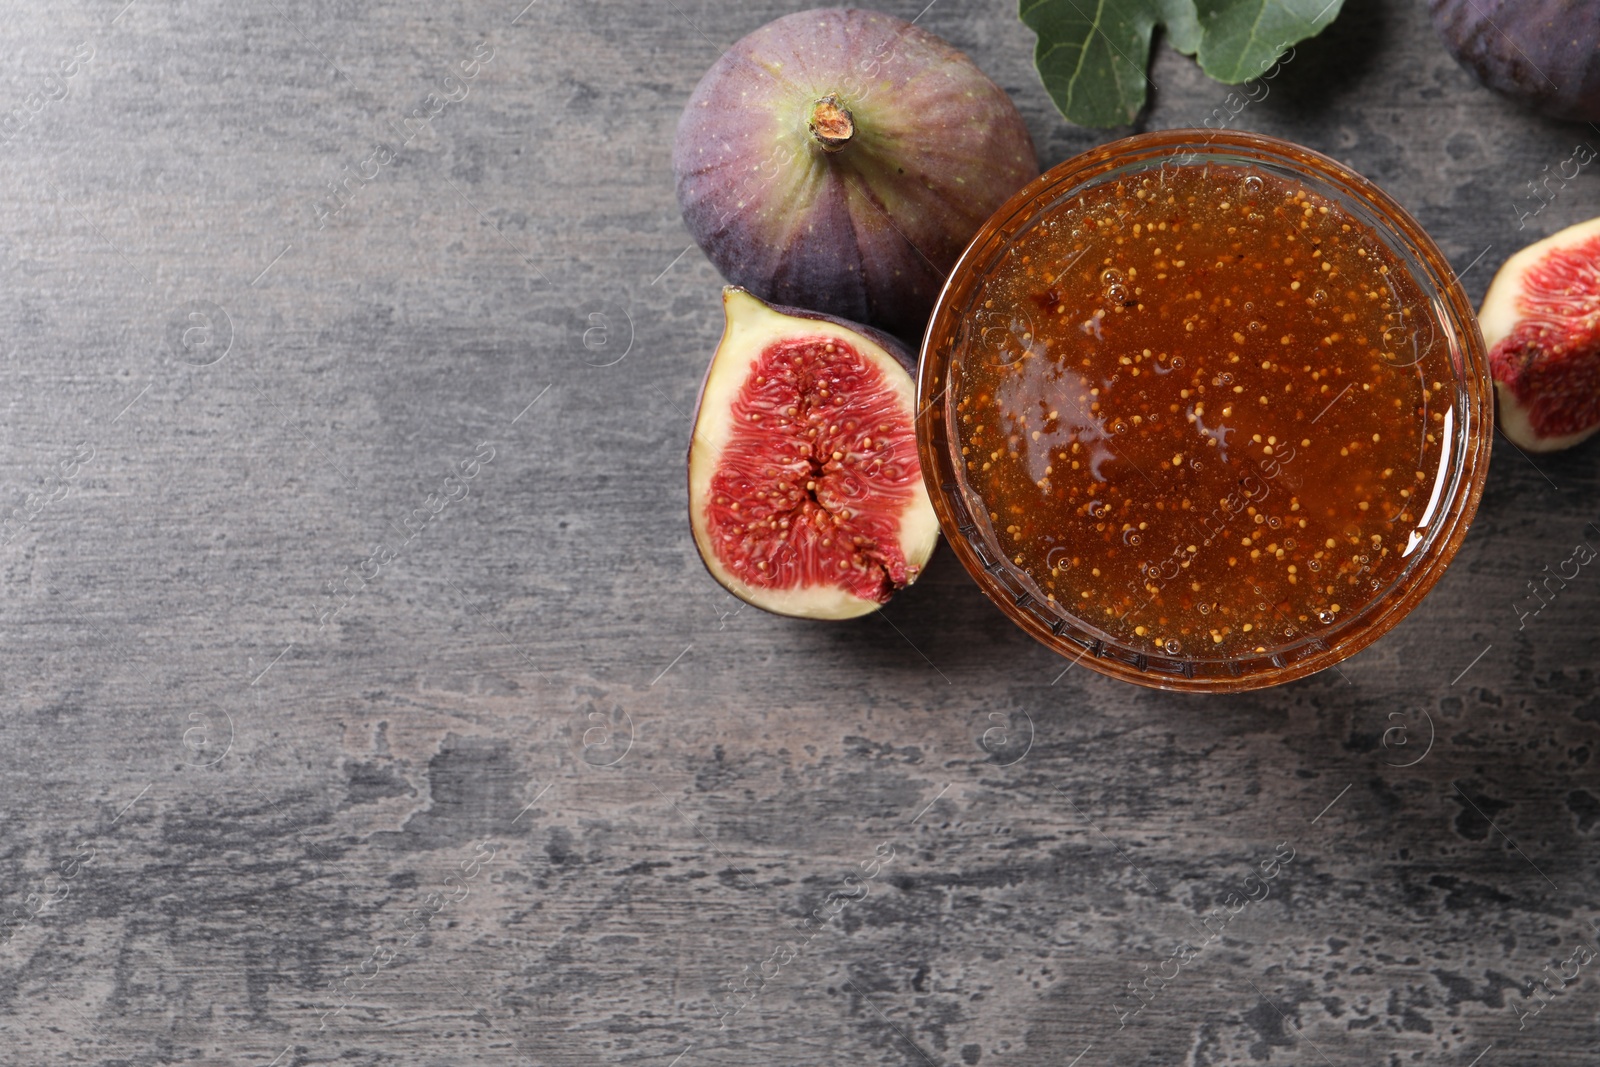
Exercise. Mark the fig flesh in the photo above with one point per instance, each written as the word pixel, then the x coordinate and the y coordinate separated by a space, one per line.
pixel 1541 322
pixel 805 492
pixel 1544 54
pixel 841 160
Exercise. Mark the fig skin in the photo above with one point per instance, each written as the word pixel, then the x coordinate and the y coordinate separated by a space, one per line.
pixel 1544 54
pixel 751 326
pixel 1541 324
pixel 841 160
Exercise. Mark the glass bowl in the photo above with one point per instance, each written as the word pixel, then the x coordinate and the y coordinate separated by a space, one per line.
pixel 1431 345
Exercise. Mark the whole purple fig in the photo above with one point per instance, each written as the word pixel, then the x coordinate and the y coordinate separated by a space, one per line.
pixel 840 160
pixel 1544 54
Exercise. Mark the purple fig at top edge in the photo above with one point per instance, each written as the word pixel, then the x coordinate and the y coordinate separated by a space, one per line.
pixel 1544 54
pixel 840 160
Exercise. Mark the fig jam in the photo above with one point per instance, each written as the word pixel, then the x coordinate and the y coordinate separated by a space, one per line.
pixel 1204 409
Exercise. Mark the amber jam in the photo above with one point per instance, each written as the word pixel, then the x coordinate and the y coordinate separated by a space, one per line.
pixel 1203 409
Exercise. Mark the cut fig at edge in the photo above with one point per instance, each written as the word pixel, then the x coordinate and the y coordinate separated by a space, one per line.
pixel 1541 324
pixel 805 492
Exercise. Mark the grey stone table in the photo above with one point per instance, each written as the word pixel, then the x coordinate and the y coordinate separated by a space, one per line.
pixel 313 756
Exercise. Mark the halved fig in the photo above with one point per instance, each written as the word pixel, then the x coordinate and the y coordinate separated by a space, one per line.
pixel 805 493
pixel 1541 321
pixel 841 160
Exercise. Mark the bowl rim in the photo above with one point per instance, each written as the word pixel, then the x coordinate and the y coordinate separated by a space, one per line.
pixel 1467 467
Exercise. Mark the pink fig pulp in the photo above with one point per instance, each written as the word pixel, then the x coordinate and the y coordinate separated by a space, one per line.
pixel 805 491
pixel 1541 321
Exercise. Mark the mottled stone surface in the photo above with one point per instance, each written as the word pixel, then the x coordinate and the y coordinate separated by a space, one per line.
pixel 527 788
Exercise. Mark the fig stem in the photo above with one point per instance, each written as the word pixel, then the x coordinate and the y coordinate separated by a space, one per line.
pixel 831 123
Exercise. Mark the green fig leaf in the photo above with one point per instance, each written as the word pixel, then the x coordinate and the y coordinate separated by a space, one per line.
pixel 1092 55
pixel 1240 39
